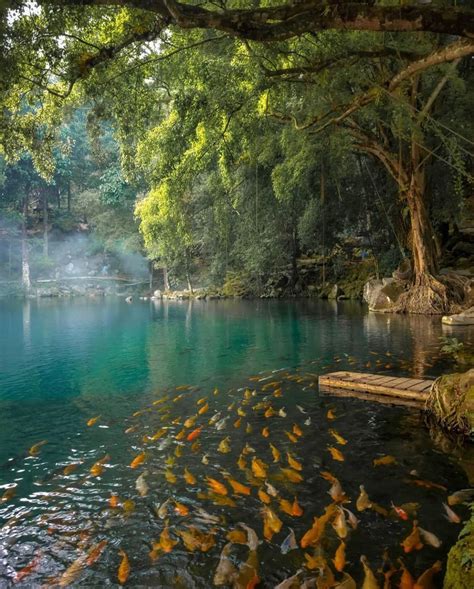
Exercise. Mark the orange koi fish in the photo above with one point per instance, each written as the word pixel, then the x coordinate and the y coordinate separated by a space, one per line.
pixel 194 434
pixel 139 459
pixel 93 420
pixel 216 486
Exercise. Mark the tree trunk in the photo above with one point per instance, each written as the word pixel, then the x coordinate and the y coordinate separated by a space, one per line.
pixel 25 260
pixel 69 196
pixel 166 282
pixel 150 272
pixel 45 224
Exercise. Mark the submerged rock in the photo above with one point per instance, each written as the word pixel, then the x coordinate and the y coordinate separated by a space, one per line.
pixel 464 318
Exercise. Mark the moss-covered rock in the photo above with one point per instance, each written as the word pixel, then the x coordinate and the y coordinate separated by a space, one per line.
pixel 451 402
pixel 460 567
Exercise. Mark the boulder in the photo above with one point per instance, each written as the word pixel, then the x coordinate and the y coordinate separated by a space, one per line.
pixel 380 295
pixel 451 402
pixel 464 318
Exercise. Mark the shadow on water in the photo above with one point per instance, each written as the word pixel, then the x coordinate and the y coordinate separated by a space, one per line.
pixel 65 362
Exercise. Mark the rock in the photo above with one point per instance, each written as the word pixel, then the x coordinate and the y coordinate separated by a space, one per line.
pixel 335 292
pixel 451 402
pixel 380 295
pixel 158 294
pixel 129 299
pixel 464 318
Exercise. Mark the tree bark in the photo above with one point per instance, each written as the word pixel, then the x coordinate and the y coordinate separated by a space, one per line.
pixel 166 282
pixel 25 259
pixel 293 18
pixel 45 224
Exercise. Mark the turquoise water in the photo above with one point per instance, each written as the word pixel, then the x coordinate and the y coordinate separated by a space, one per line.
pixel 64 362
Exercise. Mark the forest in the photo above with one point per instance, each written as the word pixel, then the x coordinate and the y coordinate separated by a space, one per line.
pixel 251 151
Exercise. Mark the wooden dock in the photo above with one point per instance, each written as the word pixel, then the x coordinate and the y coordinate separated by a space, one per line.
pixel 390 389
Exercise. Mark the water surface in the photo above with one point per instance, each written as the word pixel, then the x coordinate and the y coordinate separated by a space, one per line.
pixel 63 362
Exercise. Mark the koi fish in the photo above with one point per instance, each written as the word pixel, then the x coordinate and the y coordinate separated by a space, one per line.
pixel 275 453
pixel 330 414
pixel 370 582
pixel 413 540
pixel 406 580
pixel 237 422
pixel 300 409
pixel 8 494
pixel 241 412
pixel 259 468
pixel 141 485
pixel 189 477
pixel 180 435
pixel 166 543
pixel 336 454
pixel 190 421
pixel 351 518
pixel 265 432
pixel 93 420
pixel 292 475
pixel 162 510
pixel 337 436
pixel 461 496
pixel 248 429
pixel 339 524
pixel 28 569
pixel 425 484
pixel 194 539
pixel 241 462
pixel 271 489
pixel 72 572
pixel 114 501
pixel 226 571
pixel 238 488
pixel 307 421
pixel 139 459
pixel 95 552
pixel 220 425
pixel 181 509
pixel 402 514
pixel 194 434
pixel 264 497
pixel 363 501
pixel 293 463
pixel 314 534
pixel 215 418
pixel 170 477
pixel 291 437
pixel 451 515
pixel 70 468
pixel 340 557
pixel 425 581
pixel 430 538
pixel 204 409
pixel 282 413
pixel 34 450
pixel 272 524
pixel 297 430
pixel 289 543
pixel 224 446
pixel 216 486
pixel 384 460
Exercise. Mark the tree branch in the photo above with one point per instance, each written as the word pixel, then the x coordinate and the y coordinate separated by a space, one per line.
pixel 294 18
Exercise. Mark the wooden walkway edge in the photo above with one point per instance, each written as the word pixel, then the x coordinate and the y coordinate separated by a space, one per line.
pixel 377 385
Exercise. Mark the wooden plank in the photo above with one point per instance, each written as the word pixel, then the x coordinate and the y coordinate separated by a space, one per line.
pixel 415 390
pixel 385 399
pixel 421 387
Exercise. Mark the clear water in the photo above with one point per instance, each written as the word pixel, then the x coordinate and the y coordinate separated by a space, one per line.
pixel 64 362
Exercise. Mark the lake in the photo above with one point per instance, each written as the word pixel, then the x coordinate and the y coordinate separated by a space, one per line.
pixel 142 370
